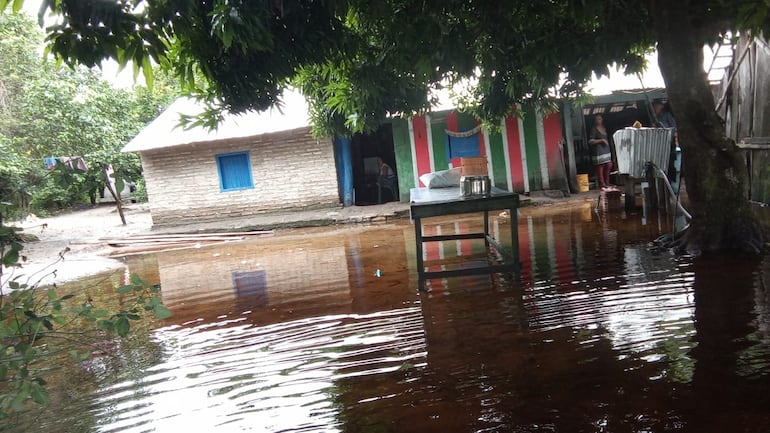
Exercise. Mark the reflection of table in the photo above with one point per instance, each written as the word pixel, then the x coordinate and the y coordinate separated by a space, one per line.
pixel 426 203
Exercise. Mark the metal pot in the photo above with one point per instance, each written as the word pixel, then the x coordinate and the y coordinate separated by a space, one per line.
pixel 475 185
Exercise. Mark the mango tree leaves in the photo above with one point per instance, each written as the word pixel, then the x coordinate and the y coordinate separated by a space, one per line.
pixel 360 61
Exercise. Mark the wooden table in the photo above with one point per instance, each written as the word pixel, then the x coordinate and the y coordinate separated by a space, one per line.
pixel 427 203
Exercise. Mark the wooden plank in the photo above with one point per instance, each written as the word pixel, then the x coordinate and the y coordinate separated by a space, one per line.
pixel 196 235
pixel 753 146
pixel 754 140
pixel 403 152
pixel 172 241
pixel 133 251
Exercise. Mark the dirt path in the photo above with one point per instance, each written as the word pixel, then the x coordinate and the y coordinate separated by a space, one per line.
pixel 80 231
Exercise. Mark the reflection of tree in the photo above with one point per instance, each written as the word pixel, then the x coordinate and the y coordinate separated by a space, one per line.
pixel 486 370
pixel 755 359
pixel 731 357
pixel 680 365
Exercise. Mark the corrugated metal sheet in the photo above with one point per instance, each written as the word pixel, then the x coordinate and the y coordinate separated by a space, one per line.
pixel 165 131
pixel 634 147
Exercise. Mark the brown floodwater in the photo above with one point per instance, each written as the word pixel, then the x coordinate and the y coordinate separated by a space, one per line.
pixel 298 333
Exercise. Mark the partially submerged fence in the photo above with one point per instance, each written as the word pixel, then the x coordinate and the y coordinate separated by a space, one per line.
pixel 742 102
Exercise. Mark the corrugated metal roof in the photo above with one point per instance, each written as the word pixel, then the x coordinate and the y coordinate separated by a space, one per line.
pixel 165 131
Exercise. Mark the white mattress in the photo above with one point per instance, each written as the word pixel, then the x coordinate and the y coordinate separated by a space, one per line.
pixel 426 195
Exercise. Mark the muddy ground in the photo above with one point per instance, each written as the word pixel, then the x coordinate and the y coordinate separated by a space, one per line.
pixel 81 232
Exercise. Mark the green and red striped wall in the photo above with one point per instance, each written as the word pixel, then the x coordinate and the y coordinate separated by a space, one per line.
pixel 523 154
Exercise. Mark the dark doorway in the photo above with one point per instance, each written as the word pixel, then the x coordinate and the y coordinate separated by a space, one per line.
pixel 616 116
pixel 366 149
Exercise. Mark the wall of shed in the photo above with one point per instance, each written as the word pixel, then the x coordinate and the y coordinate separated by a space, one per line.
pixel 290 169
pixel 748 113
pixel 523 154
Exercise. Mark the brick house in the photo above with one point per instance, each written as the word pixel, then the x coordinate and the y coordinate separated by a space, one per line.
pixel 252 163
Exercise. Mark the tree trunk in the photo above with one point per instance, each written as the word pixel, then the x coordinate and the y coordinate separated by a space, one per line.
pixel 713 167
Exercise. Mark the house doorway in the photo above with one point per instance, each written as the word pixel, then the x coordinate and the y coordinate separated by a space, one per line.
pixel 366 148
pixel 619 110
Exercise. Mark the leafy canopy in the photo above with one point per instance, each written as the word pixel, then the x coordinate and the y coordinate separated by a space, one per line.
pixel 50 111
pixel 359 61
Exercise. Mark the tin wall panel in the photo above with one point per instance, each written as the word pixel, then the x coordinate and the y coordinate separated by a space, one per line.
pixel 634 147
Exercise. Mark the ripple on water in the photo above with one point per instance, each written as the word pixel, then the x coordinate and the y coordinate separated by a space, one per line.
pixel 266 378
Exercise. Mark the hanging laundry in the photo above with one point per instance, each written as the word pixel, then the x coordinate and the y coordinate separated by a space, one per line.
pixel 73 162
pixel 49 162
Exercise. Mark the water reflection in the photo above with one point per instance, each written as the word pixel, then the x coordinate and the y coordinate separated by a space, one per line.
pixel 300 333
pixel 271 378
pixel 238 279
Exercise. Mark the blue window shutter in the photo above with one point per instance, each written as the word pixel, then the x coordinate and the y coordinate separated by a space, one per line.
pixel 461 147
pixel 234 171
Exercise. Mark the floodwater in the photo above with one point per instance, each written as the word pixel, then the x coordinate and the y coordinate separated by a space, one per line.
pixel 298 333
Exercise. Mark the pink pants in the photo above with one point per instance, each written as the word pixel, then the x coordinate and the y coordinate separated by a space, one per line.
pixel 603 173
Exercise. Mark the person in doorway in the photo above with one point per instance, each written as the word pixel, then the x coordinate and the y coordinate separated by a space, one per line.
pixel 386 178
pixel 664 119
pixel 602 156
pixel 385 171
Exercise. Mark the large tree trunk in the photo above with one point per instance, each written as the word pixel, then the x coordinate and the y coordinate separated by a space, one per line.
pixel 713 167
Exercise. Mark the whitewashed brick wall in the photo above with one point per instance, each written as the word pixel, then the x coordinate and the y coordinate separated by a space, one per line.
pixel 291 170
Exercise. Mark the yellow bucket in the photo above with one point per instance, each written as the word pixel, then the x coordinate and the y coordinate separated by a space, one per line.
pixel 582 181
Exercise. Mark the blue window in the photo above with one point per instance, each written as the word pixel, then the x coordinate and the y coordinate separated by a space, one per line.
pixel 461 147
pixel 234 171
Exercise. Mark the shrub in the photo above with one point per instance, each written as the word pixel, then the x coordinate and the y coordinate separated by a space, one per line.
pixel 37 325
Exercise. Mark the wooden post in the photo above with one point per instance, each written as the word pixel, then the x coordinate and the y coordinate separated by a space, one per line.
pixel 115 195
pixel 570 143
pixel 344 161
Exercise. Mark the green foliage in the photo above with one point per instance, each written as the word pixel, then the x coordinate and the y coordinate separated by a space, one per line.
pixel 37 325
pixel 46 111
pixel 360 61
pixel 140 195
pixel 52 194
pixel 19 38
pixel 17 177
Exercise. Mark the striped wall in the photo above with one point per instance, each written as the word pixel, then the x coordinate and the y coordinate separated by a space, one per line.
pixel 523 153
